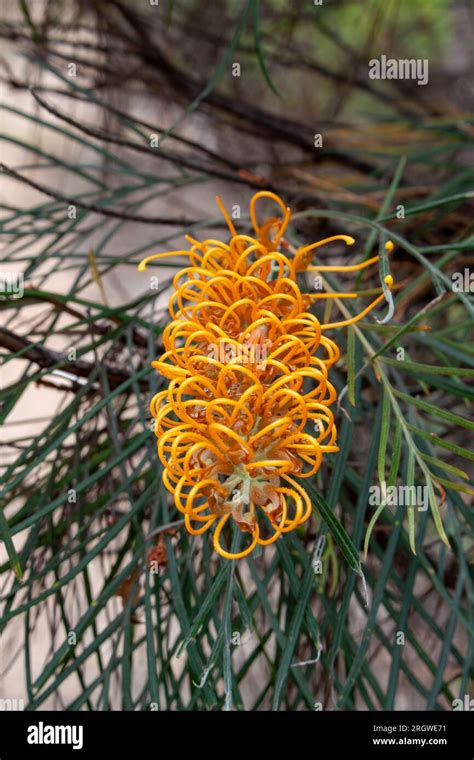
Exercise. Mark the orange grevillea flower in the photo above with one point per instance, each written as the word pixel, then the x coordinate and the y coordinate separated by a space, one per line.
pixel 248 368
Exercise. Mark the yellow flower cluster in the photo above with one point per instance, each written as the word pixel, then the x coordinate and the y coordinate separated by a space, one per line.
pixel 248 366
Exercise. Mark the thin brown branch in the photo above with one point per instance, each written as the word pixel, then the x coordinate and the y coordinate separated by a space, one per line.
pixel 113 213
pixel 45 358
pixel 174 158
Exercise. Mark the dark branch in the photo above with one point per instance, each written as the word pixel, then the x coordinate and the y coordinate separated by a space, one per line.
pixel 45 358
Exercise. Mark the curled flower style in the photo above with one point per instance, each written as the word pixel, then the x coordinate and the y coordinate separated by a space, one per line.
pixel 248 368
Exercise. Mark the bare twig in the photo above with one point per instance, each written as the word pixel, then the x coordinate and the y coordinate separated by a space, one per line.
pixel 113 213
pixel 45 358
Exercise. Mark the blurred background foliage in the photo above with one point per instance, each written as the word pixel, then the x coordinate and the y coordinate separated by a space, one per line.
pixel 120 121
